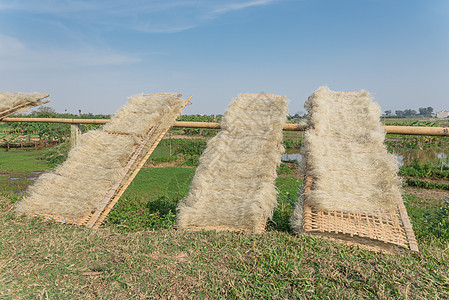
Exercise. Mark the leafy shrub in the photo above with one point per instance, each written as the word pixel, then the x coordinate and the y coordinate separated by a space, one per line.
pixel 191 131
pixel 58 154
pixel 415 142
pixel 190 147
pixel 199 118
pixel 134 214
pixel 427 170
pixel 427 185
pixel 191 150
pixel 192 161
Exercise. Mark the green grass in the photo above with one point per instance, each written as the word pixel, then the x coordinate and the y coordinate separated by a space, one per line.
pixel 22 160
pixel 18 169
pixel 46 260
pixel 138 254
pixel 185 151
pixel 160 151
pixel 156 182
pixel 416 209
pixel 288 188
pixel 151 199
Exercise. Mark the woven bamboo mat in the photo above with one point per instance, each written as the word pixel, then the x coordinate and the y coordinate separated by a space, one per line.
pixel 391 232
pixel 136 161
pixel 13 110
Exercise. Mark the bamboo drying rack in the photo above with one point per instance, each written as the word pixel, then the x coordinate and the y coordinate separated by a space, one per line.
pixel 13 110
pixel 137 159
pixel 260 224
pixel 391 233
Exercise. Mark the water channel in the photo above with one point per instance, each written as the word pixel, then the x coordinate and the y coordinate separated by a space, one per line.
pixel 440 156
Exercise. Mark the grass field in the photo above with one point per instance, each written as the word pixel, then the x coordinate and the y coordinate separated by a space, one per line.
pixel 18 168
pixel 138 253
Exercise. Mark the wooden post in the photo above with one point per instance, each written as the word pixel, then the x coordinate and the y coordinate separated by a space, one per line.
pixel 75 132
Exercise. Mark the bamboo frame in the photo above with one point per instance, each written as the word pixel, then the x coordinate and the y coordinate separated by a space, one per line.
pixel 405 130
pixel 391 233
pixel 132 169
pixel 14 109
pixel 135 163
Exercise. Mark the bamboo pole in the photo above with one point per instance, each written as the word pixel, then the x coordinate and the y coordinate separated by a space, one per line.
pixel 56 120
pixel 209 125
pixel 406 130
pixel 415 130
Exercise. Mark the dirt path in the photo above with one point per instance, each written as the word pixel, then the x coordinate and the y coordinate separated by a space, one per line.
pixel 431 197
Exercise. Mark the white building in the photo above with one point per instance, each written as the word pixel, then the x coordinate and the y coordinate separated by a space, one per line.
pixel 443 114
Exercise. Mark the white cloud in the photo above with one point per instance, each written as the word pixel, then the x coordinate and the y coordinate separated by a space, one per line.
pixel 239 6
pixel 9 45
pixel 16 55
pixel 156 16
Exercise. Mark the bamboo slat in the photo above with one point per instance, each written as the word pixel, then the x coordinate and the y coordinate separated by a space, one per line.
pixel 413 244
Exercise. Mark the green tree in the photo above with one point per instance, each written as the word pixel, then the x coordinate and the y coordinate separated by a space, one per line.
pixel 399 113
pixel 425 111
pixel 409 112
pixel 43 111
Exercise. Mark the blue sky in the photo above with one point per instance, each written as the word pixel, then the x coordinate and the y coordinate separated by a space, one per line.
pixel 92 55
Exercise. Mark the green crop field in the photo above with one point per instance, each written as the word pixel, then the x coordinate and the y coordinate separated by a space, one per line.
pixel 138 253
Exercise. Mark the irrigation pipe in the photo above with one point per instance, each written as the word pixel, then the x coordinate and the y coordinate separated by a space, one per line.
pixel 405 130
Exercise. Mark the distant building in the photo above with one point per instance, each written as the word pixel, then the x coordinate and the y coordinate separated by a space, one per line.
pixel 443 114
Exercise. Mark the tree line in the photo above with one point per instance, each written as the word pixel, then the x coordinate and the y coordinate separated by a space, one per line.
pixel 423 112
